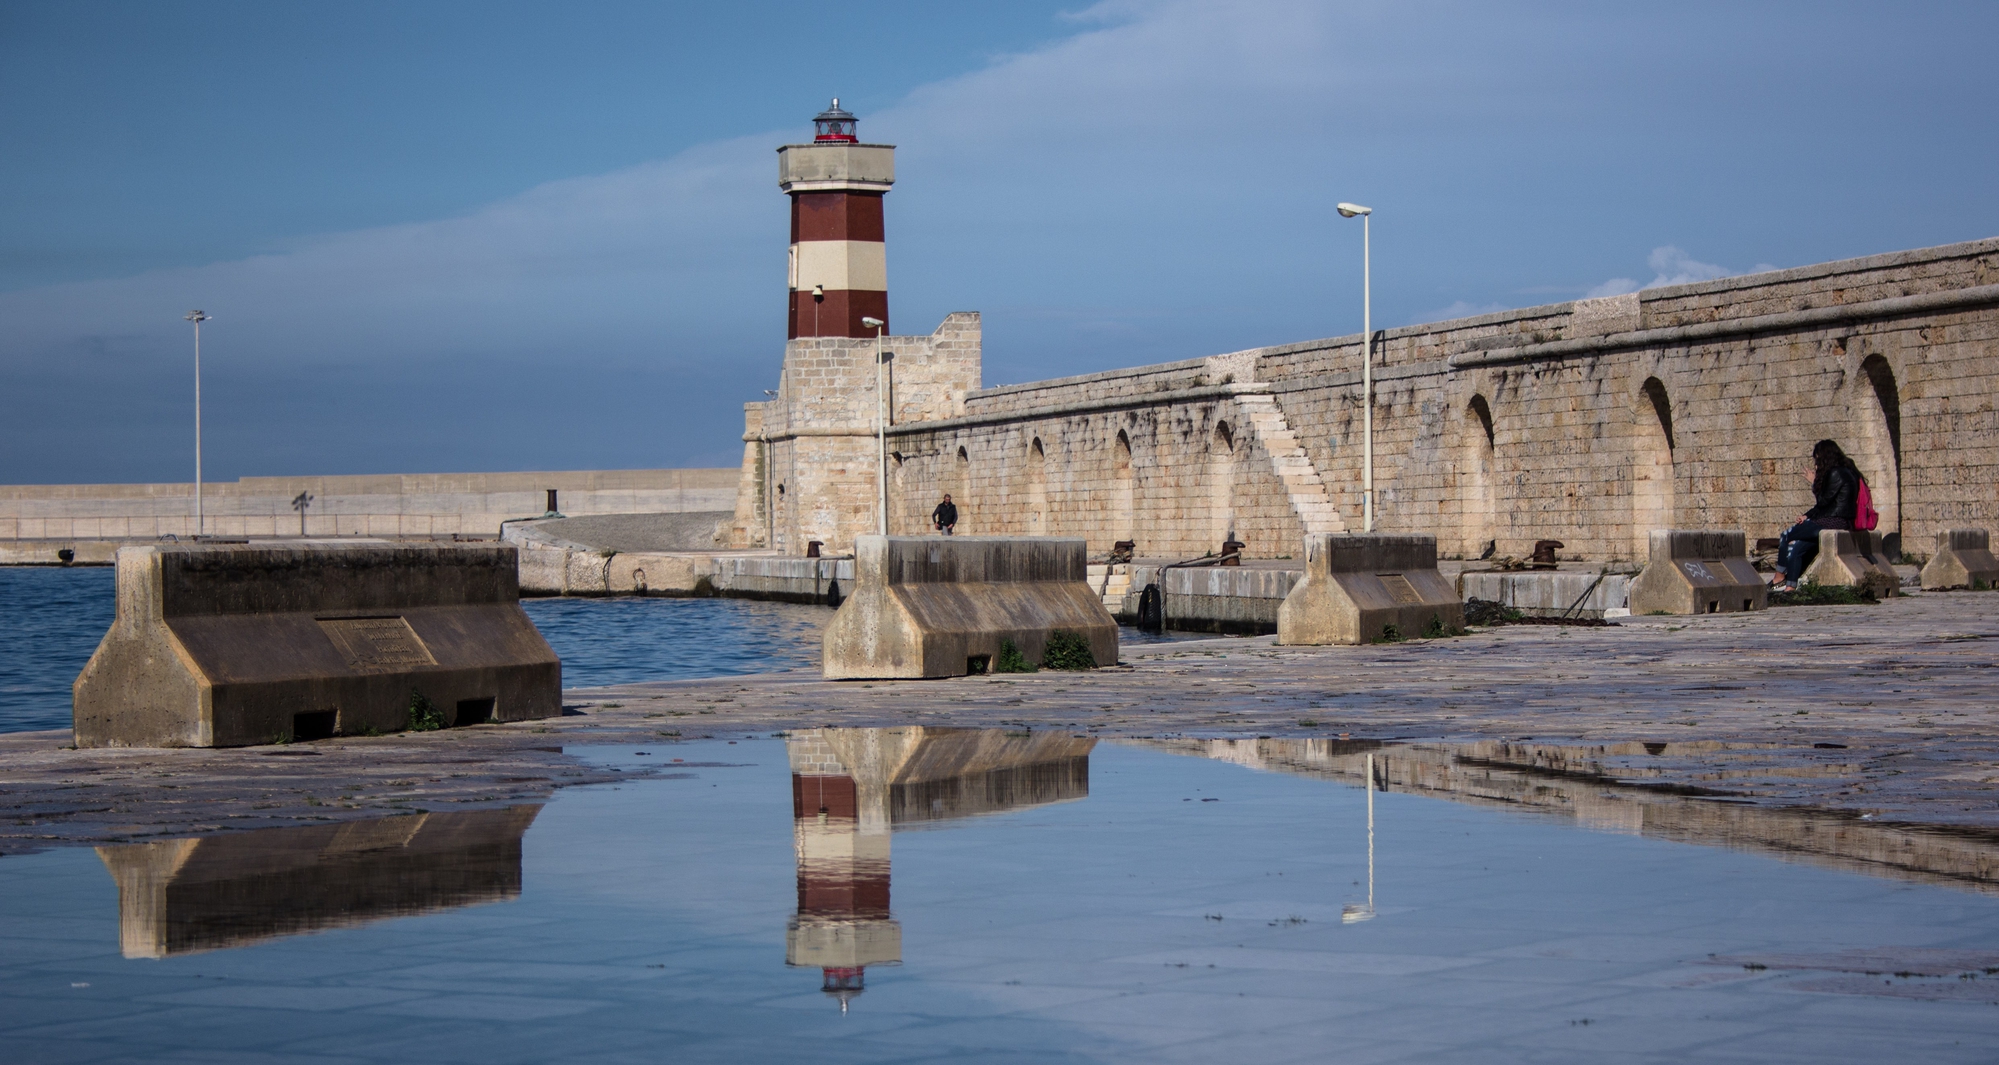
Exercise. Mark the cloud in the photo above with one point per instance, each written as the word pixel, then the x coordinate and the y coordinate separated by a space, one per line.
pixel 1671 266
pixel 1458 309
pixel 1155 185
pixel 1676 267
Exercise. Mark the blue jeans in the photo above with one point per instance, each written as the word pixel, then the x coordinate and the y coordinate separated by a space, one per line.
pixel 1800 545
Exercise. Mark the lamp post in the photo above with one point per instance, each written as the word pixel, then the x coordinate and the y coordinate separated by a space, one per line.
pixel 197 317
pixel 1350 913
pixel 881 428
pixel 1348 210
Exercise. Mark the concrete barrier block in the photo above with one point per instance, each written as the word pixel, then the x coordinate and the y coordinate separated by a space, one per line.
pixel 1698 571
pixel 928 606
pixel 231 645
pixel 1852 559
pixel 1963 560
pixel 1357 586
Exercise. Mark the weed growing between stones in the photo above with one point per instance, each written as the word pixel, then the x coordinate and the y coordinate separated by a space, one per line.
pixel 1437 630
pixel 1812 593
pixel 1391 634
pixel 1486 612
pixel 1067 650
pixel 1010 660
pixel 424 714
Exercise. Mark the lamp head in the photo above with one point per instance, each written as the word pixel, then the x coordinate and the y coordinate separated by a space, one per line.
pixel 873 323
pixel 1348 210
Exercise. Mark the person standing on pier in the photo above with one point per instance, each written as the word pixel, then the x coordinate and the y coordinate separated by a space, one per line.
pixel 945 517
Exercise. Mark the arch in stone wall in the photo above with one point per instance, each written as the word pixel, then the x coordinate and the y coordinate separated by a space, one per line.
pixel 1651 465
pixel 1221 484
pixel 1037 489
pixel 1123 489
pixel 1880 453
pixel 961 485
pixel 1476 477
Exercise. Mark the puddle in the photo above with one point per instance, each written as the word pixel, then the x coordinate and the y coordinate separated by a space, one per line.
pixel 932 894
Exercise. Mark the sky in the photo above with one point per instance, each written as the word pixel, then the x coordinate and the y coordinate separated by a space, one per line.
pixel 511 236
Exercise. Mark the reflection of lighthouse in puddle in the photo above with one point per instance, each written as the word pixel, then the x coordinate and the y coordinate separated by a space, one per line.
pixel 843 924
pixel 851 787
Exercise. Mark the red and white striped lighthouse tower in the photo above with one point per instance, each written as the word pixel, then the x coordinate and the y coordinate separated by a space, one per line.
pixel 839 263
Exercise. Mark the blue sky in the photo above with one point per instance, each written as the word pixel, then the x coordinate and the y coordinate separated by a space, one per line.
pixel 536 236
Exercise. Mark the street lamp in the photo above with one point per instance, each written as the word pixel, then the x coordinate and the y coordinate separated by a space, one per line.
pixel 881 428
pixel 197 317
pixel 1348 210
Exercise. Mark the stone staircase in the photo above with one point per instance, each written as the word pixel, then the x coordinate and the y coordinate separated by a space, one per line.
pixel 1111 582
pixel 1309 498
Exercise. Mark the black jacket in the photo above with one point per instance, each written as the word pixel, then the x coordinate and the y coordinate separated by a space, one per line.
pixel 1836 494
pixel 947 514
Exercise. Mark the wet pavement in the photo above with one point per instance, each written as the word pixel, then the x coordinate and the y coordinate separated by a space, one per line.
pixel 1885 713
pixel 920 894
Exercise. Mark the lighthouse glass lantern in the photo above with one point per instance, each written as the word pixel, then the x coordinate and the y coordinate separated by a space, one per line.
pixel 834 126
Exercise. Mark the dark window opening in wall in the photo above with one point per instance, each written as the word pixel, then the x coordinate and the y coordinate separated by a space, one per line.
pixel 1224 437
pixel 1034 450
pixel 1655 393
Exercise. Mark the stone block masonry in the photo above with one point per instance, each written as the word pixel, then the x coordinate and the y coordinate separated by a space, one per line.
pixel 1593 423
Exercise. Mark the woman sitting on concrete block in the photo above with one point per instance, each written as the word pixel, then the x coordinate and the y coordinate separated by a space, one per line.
pixel 1836 494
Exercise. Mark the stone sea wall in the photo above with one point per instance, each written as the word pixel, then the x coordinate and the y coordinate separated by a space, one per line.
pixel 391 505
pixel 1593 422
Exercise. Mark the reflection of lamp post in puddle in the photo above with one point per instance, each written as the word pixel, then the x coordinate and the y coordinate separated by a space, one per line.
pixel 1351 913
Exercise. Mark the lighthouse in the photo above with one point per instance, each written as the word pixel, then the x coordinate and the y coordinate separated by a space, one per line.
pixel 819 455
pixel 839 263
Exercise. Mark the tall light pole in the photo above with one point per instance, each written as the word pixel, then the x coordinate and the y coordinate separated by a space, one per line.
pixel 1348 210
pixel 881 428
pixel 197 317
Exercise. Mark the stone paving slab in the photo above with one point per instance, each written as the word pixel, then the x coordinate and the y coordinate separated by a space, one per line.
pixel 1887 712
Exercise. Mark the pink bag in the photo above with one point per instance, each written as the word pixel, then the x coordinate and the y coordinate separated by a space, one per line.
pixel 1864 516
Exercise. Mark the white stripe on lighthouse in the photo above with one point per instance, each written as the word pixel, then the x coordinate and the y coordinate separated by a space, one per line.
pixel 840 265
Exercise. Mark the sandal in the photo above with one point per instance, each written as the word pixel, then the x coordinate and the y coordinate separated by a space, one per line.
pixel 1785 586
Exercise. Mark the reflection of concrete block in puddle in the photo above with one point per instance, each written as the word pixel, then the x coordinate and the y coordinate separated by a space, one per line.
pixel 940 606
pixel 185 895
pixel 836 943
pixel 1963 560
pixel 1357 588
pixel 228 645
pixel 1698 571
